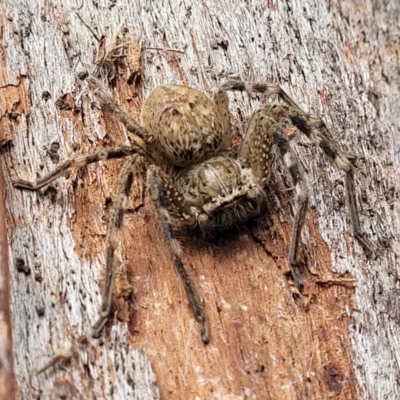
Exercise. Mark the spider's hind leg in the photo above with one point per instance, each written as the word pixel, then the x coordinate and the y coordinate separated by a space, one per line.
pixel 167 199
pixel 109 104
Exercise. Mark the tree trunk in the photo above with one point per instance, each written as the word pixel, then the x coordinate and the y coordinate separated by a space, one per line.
pixel 339 338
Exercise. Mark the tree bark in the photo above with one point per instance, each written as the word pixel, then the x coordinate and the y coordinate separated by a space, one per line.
pixel 7 379
pixel 339 338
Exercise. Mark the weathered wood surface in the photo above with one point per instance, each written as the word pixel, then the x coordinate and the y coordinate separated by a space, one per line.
pixel 7 378
pixel 339 59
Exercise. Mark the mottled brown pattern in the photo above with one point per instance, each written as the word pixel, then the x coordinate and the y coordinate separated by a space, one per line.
pixel 186 124
pixel 263 344
pixel 194 178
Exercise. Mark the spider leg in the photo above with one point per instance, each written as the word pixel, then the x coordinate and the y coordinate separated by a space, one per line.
pixel 257 153
pixel 282 142
pixel 221 100
pixel 316 130
pixel 124 185
pixel 80 161
pixel 157 182
pixel 267 89
pixel 109 104
pixel 256 149
pixel 125 180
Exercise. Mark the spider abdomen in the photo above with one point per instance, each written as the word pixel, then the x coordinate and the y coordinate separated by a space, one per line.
pixel 185 124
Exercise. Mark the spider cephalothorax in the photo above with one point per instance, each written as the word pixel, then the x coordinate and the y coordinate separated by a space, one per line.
pixel 197 181
pixel 223 194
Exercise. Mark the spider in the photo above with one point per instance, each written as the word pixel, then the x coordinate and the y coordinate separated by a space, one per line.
pixel 196 181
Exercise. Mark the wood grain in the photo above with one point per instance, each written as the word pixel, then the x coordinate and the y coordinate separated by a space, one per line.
pixel 339 339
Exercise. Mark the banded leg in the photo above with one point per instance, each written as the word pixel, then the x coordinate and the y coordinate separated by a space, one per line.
pixel 267 89
pixel 80 161
pixel 155 185
pixel 257 152
pixel 282 142
pixel 125 180
pixel 109 104
pixel 316 130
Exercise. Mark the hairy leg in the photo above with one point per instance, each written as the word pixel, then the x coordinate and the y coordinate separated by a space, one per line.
pixel 156 180
pixel 316 130
pixel 268 89
pixel 221 100
pixel 115 224
pixel 109 104
pixel 294 168
pixel 80 161
pixel 264 130
pixel 113 236
pixel 256 151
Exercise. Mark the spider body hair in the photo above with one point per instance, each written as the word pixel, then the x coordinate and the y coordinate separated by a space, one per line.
pixel 197 182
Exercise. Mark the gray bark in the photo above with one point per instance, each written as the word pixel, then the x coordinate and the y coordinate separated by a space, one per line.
pixel 338 59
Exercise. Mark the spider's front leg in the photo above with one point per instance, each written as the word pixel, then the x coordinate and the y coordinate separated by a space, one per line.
pixel 130 169
pixel 316 130
pixel 79 161
pixel 170 202
pixel 256 152
pixel 124 185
